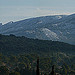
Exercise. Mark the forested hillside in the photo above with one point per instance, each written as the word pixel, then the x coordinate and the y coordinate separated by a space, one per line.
pixel 17 45
pixel 18 56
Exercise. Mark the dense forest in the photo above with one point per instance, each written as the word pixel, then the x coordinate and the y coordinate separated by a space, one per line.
pixel 17 45
pixel 18 56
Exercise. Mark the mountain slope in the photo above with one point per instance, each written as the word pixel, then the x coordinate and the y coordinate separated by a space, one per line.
pixel 17 45
pixel 57 28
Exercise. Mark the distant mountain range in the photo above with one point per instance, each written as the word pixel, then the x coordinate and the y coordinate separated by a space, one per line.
pixel 56 28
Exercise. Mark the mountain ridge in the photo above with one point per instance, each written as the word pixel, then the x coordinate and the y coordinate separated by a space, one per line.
pixel 57 28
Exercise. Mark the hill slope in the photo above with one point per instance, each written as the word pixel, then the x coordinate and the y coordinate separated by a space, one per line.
pixel 56 28
pixel 13 44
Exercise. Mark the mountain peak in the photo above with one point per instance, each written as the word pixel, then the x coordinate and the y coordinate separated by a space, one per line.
pixel 10 22
pixel 57 28
pixel 0 24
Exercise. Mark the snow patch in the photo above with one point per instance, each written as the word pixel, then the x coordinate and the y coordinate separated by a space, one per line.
pixel 55 24
pixel 30 31
pixel 39 22
pixel 68 32
pixel 59 17
pixel 50 33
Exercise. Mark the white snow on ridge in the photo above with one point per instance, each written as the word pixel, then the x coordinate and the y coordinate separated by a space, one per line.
pixel 59 17
pixel 56 28
pixel 68 32
pixel 49 33
pixel 30 31
pixel 55 24
pixel 39 22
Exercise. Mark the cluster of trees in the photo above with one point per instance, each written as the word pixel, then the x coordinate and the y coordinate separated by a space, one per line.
pixel 18 56
pixel 12 44
pixel 26 64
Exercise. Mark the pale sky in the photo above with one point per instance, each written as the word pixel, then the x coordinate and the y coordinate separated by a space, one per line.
pixel 14 10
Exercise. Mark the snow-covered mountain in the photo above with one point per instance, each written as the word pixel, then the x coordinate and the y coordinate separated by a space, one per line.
pixel 56 28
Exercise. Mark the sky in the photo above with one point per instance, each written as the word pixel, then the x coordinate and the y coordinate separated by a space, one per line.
pixel 15 10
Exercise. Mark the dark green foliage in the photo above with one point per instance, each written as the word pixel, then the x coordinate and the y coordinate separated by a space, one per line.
pixel 18 56
pixel 21 67
pixel 14 45
pixel 14 73
pixel 37 70
pixel 45 63
pixel 4 70
pixel 52 72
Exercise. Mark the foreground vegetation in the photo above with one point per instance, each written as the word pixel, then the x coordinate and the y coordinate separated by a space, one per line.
pixel 26 64
pixel 18 56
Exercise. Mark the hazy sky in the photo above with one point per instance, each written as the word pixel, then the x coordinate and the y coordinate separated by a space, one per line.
pixel 13 10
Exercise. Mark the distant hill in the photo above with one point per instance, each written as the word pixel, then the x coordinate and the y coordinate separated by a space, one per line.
pixel 56 28
pixel 17 45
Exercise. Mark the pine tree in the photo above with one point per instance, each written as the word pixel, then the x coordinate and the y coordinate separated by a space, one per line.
pixel 52 72
pixel 37 71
